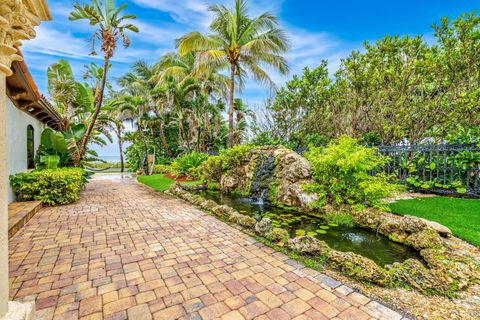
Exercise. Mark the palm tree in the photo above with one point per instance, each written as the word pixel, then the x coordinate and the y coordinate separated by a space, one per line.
pixel 111 26
pixel 135 109
pixel 177 97
pixel 183 67
pixel 141 80
pixel 62 88
pixel 242 111
pixel 117 115
pixel 238 43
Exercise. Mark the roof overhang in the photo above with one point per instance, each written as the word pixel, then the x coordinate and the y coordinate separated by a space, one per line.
pixel 23 92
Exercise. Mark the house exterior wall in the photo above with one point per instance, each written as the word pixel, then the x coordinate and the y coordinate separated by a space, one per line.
pixel 17 123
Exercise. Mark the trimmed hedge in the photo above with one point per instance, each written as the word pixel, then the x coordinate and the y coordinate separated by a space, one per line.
pixel 52 186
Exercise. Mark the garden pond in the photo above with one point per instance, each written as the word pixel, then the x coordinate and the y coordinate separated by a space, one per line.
pixel 347 239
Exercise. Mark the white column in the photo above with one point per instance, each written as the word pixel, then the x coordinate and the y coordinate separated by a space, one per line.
pixel 3 200
pixel 18 18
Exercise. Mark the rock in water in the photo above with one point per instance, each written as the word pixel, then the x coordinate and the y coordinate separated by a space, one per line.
pixel 305 244
pixel 264 226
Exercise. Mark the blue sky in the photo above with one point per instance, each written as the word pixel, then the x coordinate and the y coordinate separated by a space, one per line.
pixel 317 29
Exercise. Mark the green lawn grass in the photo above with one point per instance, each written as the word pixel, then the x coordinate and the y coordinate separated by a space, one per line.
pixel 462 216
pixel 161 183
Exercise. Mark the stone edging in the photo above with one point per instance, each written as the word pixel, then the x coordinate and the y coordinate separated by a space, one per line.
pixel 450 264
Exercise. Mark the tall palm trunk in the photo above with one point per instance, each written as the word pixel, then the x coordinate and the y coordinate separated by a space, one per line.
pixel 118 132
pixel 120 149
pixel 98 105
pixel 231 134
pixel 164 141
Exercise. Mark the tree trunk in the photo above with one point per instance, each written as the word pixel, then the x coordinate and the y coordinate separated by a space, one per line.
pixel 199 133
pixel 231 134
pixel 164 141
pixel 120 149
pixel 145 144
pixel 98 105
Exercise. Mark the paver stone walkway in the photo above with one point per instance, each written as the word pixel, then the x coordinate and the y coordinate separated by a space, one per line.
pixel 126 252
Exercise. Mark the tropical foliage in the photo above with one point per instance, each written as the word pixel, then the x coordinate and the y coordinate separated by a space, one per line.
pixel 58 186
pixel 111 27
pixel 58 149
pixel 341 175
pixel 184 104
pixel 240 44
pixel 399 88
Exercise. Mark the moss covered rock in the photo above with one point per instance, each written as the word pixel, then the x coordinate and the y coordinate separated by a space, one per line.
pixel 307 245
pixel 263 226
pixel 224 210
pixel 358 267
pixel 427 238
pixel 247 222
pixel 277 235
pixel 414 274
pixel 208 205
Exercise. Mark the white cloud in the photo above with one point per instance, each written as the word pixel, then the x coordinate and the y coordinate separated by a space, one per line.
pixel 192 12
pixel 54 42
pixel 162 34
pixel 195 13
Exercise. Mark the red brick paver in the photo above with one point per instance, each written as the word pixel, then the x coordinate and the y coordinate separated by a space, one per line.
pixel 125 252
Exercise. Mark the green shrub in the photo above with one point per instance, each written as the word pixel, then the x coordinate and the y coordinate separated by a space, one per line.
pixel 340 218
pixel 104 165
pixel 51 186
pixel 182 165
pixel 162 168
pixel 340 172
pixel 232 157
pixel 213 168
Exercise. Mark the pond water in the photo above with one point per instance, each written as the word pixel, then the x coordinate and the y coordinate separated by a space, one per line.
pixel 348 239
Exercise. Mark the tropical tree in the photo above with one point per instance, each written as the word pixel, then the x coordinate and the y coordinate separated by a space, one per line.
pixel 111 27
pixel 62 88
pixel 242 112
pixel 239 44
pixel 142 80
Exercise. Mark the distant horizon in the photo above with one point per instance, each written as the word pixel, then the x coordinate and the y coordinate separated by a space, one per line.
pixel 110 158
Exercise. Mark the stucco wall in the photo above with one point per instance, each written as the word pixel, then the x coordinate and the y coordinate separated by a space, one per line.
pixel 17 123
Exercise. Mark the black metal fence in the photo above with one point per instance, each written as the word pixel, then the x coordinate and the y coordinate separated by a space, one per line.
pixel 440 168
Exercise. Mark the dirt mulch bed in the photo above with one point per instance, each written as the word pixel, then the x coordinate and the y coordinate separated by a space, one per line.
pixel 177 179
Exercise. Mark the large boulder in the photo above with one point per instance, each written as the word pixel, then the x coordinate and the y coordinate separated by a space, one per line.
pixel 278 235
pixel 229 183
pixel 263 226
pixel 307 245
pixel 440 228
pixel 285 184
pixel 358 267
pixel 415 274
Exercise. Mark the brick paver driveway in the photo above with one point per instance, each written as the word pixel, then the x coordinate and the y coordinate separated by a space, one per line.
pixel 124 251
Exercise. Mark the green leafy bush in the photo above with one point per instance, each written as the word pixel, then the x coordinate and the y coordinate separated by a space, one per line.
pixel 51 186
pixel 162 168
pixel 340 172
pixel 340 218
pixel 213 168
pixel 232 157
pixel 103 165
pixel 57 148
pixel 183 165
